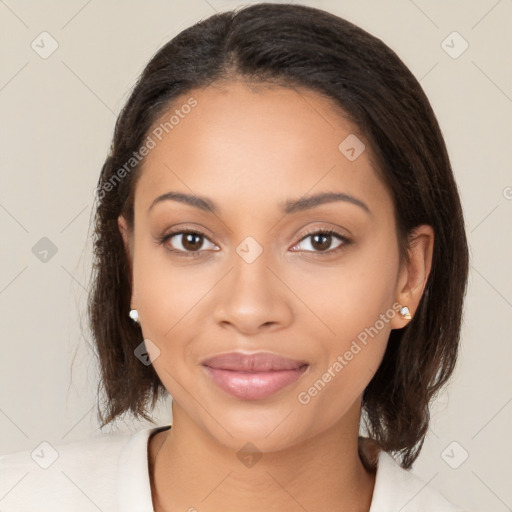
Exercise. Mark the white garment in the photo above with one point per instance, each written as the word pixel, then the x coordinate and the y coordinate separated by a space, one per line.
pixel 110 473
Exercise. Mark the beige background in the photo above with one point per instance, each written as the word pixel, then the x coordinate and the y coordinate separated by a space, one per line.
pixel 57 116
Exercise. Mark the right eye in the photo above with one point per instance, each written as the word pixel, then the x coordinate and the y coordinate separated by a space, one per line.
pixel 189 244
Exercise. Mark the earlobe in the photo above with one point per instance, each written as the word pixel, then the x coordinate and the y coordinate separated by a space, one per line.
pixel 414 274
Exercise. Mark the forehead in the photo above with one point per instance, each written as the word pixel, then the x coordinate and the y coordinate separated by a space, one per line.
pixel 257 144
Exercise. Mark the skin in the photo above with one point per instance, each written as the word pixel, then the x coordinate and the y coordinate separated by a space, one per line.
pixel 249 149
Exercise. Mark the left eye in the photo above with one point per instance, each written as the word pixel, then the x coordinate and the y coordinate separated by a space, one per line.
pixel 322 240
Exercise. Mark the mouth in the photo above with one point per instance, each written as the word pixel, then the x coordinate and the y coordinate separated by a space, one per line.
pixel 253 376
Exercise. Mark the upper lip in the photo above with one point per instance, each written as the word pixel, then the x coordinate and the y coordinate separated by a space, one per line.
pixel 258 362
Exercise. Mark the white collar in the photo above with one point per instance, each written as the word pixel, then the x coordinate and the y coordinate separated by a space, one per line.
pixel 396 489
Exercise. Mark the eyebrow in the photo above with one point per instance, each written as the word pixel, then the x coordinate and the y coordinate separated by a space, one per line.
pixel 288 207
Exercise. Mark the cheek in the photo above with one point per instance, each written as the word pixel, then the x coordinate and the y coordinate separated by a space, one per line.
pixel 328 397
pixel 353 357
pixel 350 296
pixel 356 305
pixel 166 291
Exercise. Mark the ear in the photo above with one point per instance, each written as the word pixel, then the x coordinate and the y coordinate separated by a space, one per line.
pixel 123 229
pixel 128 248
pixel 414 274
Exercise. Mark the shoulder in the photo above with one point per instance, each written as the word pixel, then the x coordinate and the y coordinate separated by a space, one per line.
pixel 398 489
pixel 78 476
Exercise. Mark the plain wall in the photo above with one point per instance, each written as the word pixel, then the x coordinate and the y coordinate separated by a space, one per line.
pixel 57 116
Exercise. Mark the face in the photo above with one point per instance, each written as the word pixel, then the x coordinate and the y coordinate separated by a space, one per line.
pixel 304 293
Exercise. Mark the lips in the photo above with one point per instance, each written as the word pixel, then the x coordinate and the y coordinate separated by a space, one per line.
pixel 259 362
pixel 253 376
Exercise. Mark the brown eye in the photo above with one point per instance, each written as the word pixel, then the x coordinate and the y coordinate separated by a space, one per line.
pixel 191 241
pixel 186 242
pixel 321 241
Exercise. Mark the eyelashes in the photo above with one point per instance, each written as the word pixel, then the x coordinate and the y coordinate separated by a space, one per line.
pixel 328 234
pixel 163 241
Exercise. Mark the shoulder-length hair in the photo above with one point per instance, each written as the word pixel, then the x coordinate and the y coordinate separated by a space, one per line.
pixel 295 45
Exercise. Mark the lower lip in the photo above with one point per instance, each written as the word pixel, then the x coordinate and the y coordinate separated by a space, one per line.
pixel 255 385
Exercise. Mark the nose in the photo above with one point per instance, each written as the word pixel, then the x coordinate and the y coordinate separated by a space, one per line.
pixel 253 297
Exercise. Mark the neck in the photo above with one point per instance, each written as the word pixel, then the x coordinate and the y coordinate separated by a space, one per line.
pixel 190 471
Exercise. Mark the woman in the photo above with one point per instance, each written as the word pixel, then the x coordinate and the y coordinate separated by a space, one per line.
pixel 280 246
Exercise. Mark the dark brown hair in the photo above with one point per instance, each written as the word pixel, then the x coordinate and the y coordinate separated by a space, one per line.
pixel 295 45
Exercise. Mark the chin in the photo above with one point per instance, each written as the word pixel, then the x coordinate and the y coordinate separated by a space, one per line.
pixel 268 429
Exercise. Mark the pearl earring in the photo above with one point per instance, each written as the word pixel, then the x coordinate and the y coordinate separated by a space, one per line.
pixel 404 311
pixel 134 315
